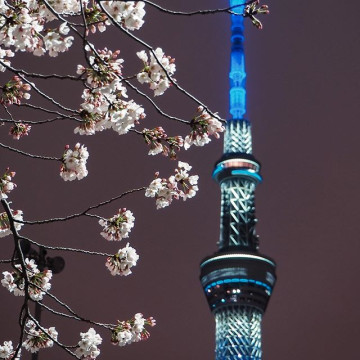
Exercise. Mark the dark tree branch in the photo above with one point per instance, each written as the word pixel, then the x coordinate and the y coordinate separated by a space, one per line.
pixel 29 155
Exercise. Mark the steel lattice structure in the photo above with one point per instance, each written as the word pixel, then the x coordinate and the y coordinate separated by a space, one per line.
pixel 237 279
pixel 238 334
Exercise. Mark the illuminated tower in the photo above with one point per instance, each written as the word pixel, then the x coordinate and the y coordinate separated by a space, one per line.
pixel 237 279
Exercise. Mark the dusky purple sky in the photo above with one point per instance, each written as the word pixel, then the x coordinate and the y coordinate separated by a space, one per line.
pixel 303 80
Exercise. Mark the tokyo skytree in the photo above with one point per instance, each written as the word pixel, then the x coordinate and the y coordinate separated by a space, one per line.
pixel 238 280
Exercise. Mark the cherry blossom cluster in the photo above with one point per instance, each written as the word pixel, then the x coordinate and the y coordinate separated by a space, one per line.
pixel 55 42
pixel 39 281
pixel 5 223
pixel 122 261
pixel 7 351
pixel 156 71
pixel 96 19
pixel 119 226
pixel 252 9
pixel 104 108
pixel 127 13
pixel 104 67
pixel 38 339
pixel 65 7
pixel 14 91
pixel 180 185
pixel 19 130
pixel 127 332
pixel 202 126
pixel 74 163
pixel 87 346
pixel 187 184
pixel 6 184
pixel 22 27
pixel 160 142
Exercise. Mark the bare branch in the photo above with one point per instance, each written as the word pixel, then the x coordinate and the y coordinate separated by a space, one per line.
pixel 61 248
pixel 29 155
pixel 83 213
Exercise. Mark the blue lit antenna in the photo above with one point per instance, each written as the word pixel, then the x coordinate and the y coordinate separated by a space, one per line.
pixel 237 279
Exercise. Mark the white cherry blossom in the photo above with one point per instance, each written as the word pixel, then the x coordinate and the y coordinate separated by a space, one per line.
pixel 38 339
pixel 127 13
pixel 202 126
pixel 19 130
pixel 153 73
pixel 88 345
pixel 119 226
pixel 5 224
pixel 74 163
pixel 7 350
pixel 39 281
pixel 122 261
pixel 133 330
pixel 3 54
pixel 6 184
pixel 161 143
pixel 179 185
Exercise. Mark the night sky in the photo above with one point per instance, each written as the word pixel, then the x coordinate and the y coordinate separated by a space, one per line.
pixel 302 99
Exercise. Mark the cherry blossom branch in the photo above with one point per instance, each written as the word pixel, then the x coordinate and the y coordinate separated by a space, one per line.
pixel 58 312
pixel 33 107
pixel 29 155
pixel 71 311
pixel 66 348
pixel 45 96
pixel 35 88
pixel 48 76
pixel 73 315
pixel 178 87
pixel 152 102
pixel 40 122
pixel 24 312
pixel 125 80
pixel 83 213
pixel 61 248
pixel 7 111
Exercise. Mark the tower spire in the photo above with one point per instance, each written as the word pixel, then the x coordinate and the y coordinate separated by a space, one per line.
pixel 237 279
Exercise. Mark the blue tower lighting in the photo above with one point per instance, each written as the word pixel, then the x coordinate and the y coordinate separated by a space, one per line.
pixel 237 279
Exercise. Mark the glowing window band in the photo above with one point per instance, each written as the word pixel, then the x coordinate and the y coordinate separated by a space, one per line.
pixel 246 172
pixel 236 280
pixel 237 256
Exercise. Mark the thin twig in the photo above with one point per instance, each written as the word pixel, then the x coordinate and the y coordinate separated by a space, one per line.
pixel 61 248
pixel 33 107
pixel 40 122
pixel 83 213
pixel 29 155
